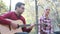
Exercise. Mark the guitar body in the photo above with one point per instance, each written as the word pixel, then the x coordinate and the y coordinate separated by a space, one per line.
pixel 4 29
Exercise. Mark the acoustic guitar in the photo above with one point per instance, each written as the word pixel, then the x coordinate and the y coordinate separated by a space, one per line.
pixel 4 29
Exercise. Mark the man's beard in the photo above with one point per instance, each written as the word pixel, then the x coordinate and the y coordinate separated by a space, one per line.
pixel 20 13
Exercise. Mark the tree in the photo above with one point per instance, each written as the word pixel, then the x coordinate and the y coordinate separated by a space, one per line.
pixel 54 14
pixel 3 7
pixel 30 13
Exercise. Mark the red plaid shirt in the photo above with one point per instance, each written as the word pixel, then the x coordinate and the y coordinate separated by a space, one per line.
pixel 47 28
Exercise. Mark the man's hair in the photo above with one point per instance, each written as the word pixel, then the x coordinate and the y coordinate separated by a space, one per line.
pixel 18 5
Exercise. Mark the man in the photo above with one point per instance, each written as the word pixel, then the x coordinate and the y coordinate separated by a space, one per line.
pixel 16 15
pixel 45 21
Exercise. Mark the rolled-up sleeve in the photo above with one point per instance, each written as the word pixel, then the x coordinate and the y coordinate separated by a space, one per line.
pixel 3 21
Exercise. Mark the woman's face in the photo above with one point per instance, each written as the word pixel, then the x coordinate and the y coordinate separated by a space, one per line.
pixel 47 12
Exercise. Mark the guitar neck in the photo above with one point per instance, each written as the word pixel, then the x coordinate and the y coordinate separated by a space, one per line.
pixel 27 25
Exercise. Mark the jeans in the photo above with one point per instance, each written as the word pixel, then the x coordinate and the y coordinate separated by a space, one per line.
pixel 21 33
pixel 58 32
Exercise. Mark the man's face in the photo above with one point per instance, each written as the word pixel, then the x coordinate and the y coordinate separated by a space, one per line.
pixel 47 12
pixel 20 9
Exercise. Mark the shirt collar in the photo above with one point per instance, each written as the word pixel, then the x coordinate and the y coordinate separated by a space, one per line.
pixel 45 17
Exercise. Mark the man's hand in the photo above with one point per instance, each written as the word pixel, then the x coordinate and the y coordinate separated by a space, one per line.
pixel 14 26
pixel 14 23
pixel 32 25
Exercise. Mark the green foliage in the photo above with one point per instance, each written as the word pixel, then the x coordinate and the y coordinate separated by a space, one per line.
pixel 30 13
pixel 3 7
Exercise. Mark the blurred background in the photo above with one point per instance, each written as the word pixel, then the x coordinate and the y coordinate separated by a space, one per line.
pixel 34 10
